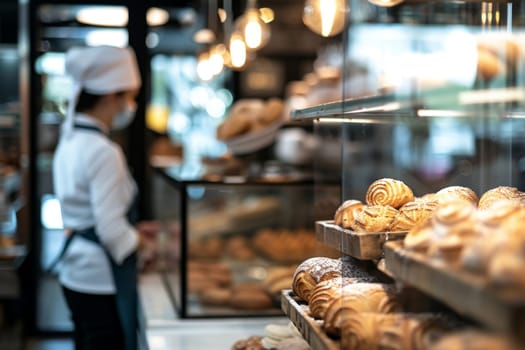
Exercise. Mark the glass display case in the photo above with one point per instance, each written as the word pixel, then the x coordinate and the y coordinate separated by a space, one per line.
pixel 230 244
pixel 433 96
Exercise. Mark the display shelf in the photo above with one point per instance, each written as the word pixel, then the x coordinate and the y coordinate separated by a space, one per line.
pixel 309 328
pixel 359 245
pixel 465 293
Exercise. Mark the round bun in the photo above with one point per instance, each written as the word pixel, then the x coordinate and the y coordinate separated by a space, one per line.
pixel 390 192
pixel 374 218
pixel 452 193
pixel 493 196
pixel 411 214
pixel 345 214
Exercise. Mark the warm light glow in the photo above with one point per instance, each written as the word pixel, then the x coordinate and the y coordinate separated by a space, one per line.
pixel 157 117
pixel 256 33
pixel 223 15
pixel 325 17
pixel 157 16
pixel 204 36
pixel 107 16
pixel 112 37
pixel 217 58
pixel 237 50
pixel 204 70
pixel 386 3
pixel 266 14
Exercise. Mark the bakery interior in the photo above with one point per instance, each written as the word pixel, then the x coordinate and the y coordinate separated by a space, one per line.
pixel 347 175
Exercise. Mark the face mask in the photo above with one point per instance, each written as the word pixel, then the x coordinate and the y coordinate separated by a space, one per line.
pixel 124 118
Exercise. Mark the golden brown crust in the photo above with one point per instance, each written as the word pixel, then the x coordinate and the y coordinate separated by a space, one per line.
pixel 455 217
pixel 358 298
pixel 374 218
pixel 493 196
pixel 453 193
pixel 345 214
pixel 419 237
pixel 471 339
pixel 312 271
pixel 250 299
pixel 215 296
pixel 390 192
pixel 411 214
pixel 272 111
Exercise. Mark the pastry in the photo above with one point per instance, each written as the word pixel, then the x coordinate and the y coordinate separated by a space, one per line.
pixel 497 194
pixel 506 270
pixel 471 339
pixel 374 218
pixel 419 237
pixel 345 214
pixel 312 271
pixel 278 278
pixel 326 291
pixel 411 214
pixel 390 331
pixel 358 298
pixel 390 192
pixel 496 214
pixel 452 193
pixel 454 217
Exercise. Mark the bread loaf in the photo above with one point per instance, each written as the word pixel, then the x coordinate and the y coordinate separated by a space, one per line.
pixel 312 271
pixel 374 218
pixel 358 298
pixel 390 192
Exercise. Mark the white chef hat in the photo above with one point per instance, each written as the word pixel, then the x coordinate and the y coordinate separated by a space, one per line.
pixel 99 70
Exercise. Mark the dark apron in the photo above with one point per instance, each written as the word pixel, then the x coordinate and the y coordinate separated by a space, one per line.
pixel 124 275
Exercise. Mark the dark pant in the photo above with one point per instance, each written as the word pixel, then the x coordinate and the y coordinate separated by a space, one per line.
pixel 97 326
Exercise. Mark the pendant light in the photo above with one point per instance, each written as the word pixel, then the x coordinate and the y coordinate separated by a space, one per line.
pixel 325 17
pixel 255 31
pixel 237 49
pixel 386 3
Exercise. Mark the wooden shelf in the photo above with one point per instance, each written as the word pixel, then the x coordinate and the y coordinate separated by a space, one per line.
pixel 467 294
pixel 360 245
pixel 310 328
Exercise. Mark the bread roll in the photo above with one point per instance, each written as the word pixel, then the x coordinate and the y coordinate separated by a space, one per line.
pixel 497 194
pixel 278 278
pixel 358 298
pixel 345 214
pixel 272 111
pixel 326 291
pixel 374 218
pixel 390 331
pixel 390 192
pixel 496 214
pixel 419 237
pixel 453 193
pixel 506 270
pixel 454 217
pixel 250 343
pixel 250 298
pixel 411 214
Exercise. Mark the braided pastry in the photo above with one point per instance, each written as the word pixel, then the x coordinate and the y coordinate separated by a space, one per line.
pixel 390 192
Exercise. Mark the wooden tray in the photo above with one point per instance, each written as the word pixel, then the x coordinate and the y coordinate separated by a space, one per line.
pixel 360 245
pixel 310 328
pixel 464 292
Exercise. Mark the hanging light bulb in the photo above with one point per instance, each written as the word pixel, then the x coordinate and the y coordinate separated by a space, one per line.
pixel 204 69
pixel 255 31
pixel 386 3
pixel 237 50
pixel 216 58
pixel 325 17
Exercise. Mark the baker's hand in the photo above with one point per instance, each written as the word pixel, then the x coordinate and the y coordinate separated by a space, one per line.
pixel 147 246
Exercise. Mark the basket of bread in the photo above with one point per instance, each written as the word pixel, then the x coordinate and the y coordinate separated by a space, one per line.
pixel 251 125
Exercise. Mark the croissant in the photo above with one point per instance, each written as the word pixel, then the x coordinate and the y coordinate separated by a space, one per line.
pixel 390 192
pixel 489 198
pixel 374 218
pixel 345 214
pixel 411 214
pixel 452 193
pixel 358 298
pixel 371 331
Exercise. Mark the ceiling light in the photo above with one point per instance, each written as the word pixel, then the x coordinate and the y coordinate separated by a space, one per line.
pixel 204 36
pixel 266 14
pixel 107 16
pixel 157 17
pixel 386 3
pixel 325 17
pixel 255 32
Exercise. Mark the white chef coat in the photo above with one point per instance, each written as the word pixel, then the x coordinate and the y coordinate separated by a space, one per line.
pixel 95 189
